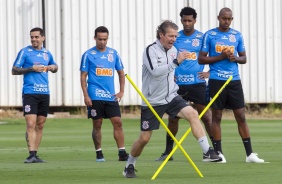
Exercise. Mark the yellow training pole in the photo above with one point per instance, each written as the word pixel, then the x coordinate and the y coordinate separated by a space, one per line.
pixel 164 125
pixel 189 129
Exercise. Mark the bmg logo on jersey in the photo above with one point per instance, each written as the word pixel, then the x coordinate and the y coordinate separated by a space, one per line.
pixel 219 48
pixel 191 56
pixel 104 71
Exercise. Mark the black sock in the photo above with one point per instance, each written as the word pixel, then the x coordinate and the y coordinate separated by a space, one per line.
pixel 32 153
pixel 169 144
pixel 211 138
pixel 247 145
pixel 217 145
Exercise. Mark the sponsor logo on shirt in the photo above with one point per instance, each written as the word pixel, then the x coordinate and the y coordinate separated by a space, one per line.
pixel 104 71
pixel 102 93
pixel 187 41
pixel 111 51
pixel 191 56
pixel 93 52
pixel 186 78
pixel 219 48
pixel 224 38
pixel 40 87
pixel 199 35
pixel 224 74
pixel 103 57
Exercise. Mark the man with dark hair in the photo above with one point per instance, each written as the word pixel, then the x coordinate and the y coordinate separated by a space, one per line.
pixel 34 62
pixel 188 76
pixel 159 62
pixel 223 49
pixel 99 64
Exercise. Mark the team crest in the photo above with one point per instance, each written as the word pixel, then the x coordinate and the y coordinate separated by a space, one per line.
pixel 232 38
pixel 45 56
pixel 195 42
pixel 145 125
pixel 93 113
pixel 27 108
pixel 172 55
pixel 110 57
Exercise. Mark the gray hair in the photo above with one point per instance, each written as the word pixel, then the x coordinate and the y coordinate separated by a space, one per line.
pixel 164 26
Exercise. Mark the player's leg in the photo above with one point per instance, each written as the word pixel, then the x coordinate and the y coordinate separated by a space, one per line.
pixel 178 107
pixel 206 118
pixel 173 127
pixel 112 111
pixel 237 103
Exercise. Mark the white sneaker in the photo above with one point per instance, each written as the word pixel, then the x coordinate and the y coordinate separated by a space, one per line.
pixel 253 157
pixel 223 160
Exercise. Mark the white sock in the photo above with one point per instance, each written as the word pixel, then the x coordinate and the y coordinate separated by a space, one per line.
pixel 100 149
pixel 131 160
pixel 204 143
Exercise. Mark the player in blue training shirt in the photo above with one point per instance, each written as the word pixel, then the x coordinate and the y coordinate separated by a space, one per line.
pixel 99 64
pixel 192 87
pixel 34 62
pixel 223 49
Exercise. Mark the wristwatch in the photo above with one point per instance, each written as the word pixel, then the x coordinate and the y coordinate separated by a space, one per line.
pixel 176 62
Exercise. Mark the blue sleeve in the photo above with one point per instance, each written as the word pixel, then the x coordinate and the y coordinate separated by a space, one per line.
pixel 119 65
pixel 20 59
pixel 206 43
pixel 241 44
pixel 84 63
pixel 51 61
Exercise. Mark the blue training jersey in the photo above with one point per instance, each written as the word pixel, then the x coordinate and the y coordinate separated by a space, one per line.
pixel 101 67
pixel 34 82
pixel 214 42
pixel 187 72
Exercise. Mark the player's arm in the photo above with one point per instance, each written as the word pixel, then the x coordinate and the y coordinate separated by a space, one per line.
pixel 83 83
pixel 19 71
pixel 242 59
pixel 205 59
pixel 121 76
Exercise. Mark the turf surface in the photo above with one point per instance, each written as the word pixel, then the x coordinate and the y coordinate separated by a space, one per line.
pixel 68 149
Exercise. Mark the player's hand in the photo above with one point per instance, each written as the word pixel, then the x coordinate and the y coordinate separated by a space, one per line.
pixel 232 58
pixel 118 96
pixel 39 68
pixel 51 68
pixel 203 75
pixel 226 53
pixel 182 56
pixel 88 101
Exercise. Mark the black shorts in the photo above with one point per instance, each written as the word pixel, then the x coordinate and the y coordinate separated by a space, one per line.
pixel 232 97
pixel 196 93
pixel 36 104
pixel 149 120
pixel 103 109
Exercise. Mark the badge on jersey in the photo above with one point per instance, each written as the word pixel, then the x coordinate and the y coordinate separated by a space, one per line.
pixel 45 56
pixel 110 57
pixel 232 38
pixel 195 42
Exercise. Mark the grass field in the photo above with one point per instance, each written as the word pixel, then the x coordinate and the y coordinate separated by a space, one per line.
pixel 68 149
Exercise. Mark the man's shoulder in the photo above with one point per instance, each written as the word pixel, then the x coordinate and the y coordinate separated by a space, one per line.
pixel 213 31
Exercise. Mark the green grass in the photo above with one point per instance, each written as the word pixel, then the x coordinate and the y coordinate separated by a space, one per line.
pixel 68 149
